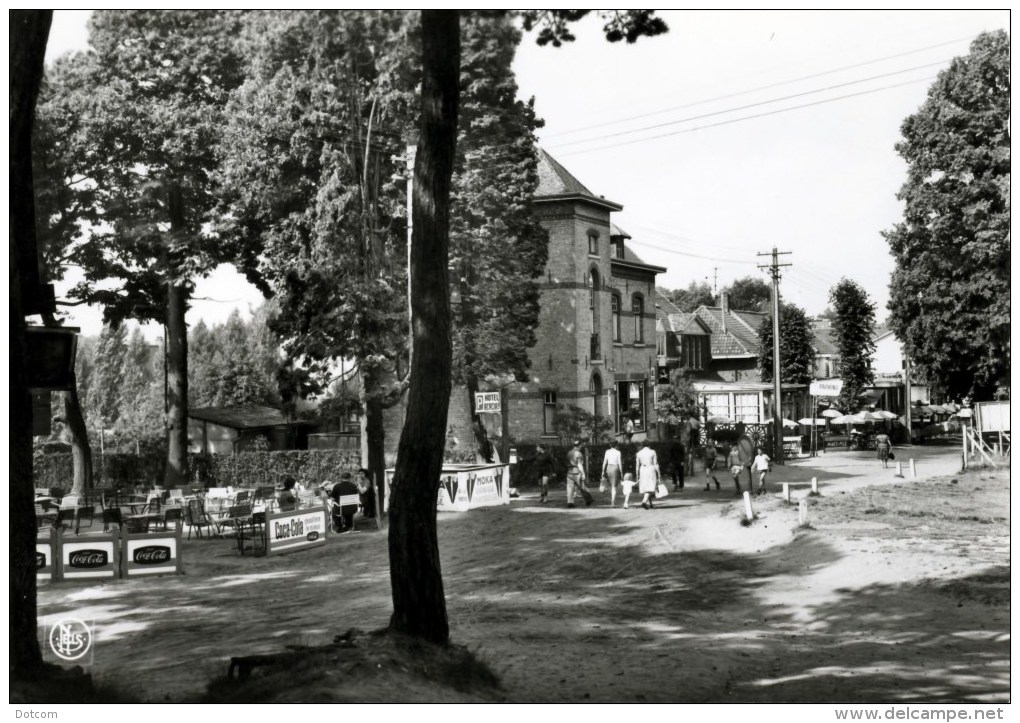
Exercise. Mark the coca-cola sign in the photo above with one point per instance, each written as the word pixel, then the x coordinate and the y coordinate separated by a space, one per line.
pixel 87 559
pixel 152 555
pixel 312 536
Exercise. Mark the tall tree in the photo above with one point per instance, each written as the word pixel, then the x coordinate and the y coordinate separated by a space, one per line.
pixel 750 294
pixel 677 402
pixel 104 399
pixel 696 294
pixel 950 292
pixel 853 334
pixel 498 249
pixel 419 605
pixel 144 108
pixel 29 30
pixel 796 346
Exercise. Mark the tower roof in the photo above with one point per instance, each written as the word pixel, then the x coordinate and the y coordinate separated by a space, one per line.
pixel 557 183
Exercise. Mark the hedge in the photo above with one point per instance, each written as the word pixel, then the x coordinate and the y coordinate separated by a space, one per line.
pixel 244 469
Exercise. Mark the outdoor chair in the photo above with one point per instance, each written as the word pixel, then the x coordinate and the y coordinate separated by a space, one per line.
pixel 75 512
pixel 239 517
pixel 44 517
pixel 196 518
pixel 169 515
pixel 343 509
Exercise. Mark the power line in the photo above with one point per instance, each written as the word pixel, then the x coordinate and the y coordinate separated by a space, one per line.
pixel 746 118
pixel 753 105
pixel 760 88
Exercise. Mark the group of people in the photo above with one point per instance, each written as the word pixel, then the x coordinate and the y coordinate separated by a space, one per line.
pixel 647 477
pixel 736 465
pixel 343 515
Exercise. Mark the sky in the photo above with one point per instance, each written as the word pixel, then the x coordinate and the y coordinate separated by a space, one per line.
pixel 735 133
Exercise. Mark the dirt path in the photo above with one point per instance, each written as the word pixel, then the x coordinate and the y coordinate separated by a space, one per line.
pixel 900 592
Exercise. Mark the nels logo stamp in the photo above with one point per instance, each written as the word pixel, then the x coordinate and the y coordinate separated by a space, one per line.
pixel 71 639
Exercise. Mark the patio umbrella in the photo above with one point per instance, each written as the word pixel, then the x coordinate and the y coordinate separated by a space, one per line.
pixel 867 417
pixel 844 419
pixel 881 413
pixel 808 422
pixel 832 413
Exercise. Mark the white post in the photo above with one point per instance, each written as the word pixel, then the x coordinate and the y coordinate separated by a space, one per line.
pixel 814 485
pixel 913 470
pixel 803 512
pixel 899 469
pixel 747 507
pixel 786 491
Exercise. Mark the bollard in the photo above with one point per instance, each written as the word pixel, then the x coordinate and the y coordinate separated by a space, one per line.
pixel 803 513
pixel 747 507
pixel 786 491
pixel 814 485
pixel 913 470
pixel 899 470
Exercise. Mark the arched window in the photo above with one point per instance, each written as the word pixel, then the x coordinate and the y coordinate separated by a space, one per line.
pixel 616 317
pixel 638 310
pixel 596 389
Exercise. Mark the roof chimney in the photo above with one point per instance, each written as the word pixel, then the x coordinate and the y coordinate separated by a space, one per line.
pixel 724 301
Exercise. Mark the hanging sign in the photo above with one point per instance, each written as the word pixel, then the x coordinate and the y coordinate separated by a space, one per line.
pixel 487 402
pixel 826 387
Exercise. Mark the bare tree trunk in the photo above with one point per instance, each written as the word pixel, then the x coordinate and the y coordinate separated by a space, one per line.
pixel 177 356
pixel 29 30
pixel 177 386
pixel 419 603
pixel 376 433
pixel 81 452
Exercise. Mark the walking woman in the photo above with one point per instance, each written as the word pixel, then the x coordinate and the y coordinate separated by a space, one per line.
pixel 884 445
pixel 612 470
pixel 647 474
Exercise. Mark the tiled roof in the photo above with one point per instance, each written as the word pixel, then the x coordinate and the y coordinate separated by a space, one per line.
pixel 615 231
pixel 555 180
pixel 667 306
pixel 242 417
pixel 823 341
pixel 741 335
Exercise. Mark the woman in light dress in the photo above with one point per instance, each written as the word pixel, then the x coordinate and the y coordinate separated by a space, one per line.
pixel 612 469
pixel 647 474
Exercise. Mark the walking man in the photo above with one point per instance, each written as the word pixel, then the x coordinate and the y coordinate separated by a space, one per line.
pixel 576 477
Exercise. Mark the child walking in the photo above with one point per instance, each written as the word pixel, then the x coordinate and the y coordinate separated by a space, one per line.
pixel 761 463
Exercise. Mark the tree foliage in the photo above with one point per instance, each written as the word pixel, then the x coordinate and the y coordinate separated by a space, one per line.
pixel 697 293
pixel 677 402
pixel 950 292
pixel 571 422
pixel 853 332
pixel 234 363
pixel 796 346
pixel 749 294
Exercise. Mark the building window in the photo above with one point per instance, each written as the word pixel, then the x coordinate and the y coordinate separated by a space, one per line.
pixel 632 404
pixel 746 408
pixel 593 300
pixel 718 405
pixel 593 243
pixel 638 309
pixel 694 350
pixel 616 249
pixel 660 344
pixel 549 412
pixel 616 317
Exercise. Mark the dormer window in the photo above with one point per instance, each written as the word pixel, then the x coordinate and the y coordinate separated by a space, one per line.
pixel 616 249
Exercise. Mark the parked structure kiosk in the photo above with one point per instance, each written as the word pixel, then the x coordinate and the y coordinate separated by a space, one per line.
pixel 466 486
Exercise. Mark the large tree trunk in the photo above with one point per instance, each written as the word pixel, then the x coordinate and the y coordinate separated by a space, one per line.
pixel 29 30
pixel 81 452
pixel 419 604
pixel 177 386
pixel 177 356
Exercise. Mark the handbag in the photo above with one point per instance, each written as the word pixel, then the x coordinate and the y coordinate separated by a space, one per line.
pixel 891 455
pixel 603 484
pixel 660 491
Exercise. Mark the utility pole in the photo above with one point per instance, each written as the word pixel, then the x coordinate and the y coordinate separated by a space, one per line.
pixel 777 420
